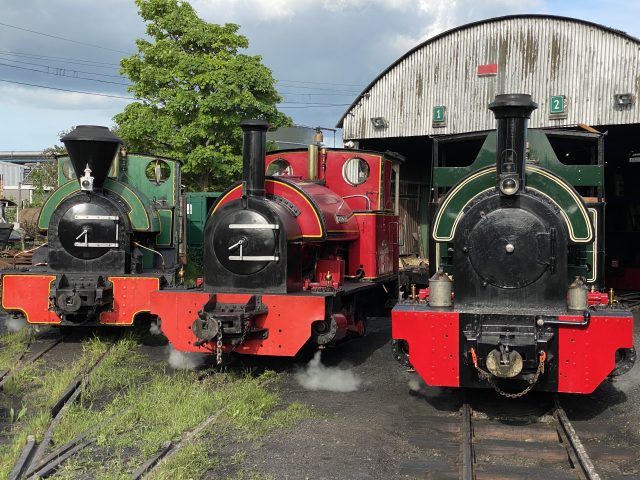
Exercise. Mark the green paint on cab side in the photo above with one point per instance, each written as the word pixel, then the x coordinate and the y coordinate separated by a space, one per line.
pixel 541 154
pixel 137 176
pixel 143 217
pixel 165 237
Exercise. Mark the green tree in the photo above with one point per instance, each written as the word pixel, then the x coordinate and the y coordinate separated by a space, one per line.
pixel 44 178
pixel 194 87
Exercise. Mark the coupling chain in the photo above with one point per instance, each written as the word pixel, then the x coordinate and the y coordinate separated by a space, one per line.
pixel 484 375
pixel 219 344
pixel 245 330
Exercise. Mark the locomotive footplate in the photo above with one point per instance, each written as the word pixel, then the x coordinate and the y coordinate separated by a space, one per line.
pixel 508 346
pixel 229 322
pixel 79 298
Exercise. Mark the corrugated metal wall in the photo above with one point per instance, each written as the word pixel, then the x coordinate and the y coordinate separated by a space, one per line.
pixel 12 173
pixel 540 55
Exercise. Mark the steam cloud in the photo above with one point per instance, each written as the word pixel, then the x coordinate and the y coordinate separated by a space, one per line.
pixel 15 324
pixel 316 376
pixel 154 329
pixel 185 360
pixel 415 385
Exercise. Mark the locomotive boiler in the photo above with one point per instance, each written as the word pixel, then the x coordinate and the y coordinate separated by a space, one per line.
pixel 506 313
pixel 112 236
pixel 298 256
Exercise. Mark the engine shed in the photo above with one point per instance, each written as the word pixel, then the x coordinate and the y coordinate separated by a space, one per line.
pixel 431 107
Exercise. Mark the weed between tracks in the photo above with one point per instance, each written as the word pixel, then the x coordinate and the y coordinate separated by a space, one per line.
pixel 32 392
pixel 135 407
pixel 11 346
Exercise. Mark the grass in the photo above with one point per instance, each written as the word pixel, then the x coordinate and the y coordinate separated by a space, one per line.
pixel 11 346
pixel 134 407
pixel 139 421
pixel 38 393
pixel 192 458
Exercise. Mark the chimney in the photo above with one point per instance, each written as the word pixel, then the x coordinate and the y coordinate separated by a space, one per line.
pixel 512 112
pixel 92 150
pixel 254 145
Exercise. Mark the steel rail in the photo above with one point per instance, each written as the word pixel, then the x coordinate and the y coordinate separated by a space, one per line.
pixel 584 462
pixel 38 463
pixel 7 374
pixel 467 443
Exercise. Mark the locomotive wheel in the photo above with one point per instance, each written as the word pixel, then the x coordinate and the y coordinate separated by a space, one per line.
pixel 400 351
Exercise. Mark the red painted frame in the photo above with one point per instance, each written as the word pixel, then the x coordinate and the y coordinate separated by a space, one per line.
pixel 288 320
pixel 29 294
pixel 586 355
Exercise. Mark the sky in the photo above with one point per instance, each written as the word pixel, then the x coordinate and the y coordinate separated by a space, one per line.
pixel 323 53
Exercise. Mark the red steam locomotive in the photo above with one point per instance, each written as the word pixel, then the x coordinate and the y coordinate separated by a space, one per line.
pixel 300 255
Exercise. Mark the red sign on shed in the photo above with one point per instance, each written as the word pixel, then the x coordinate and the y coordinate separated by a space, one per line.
pixel 488 69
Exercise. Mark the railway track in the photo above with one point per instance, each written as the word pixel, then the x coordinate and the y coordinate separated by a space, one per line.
pixel 35 350
pixel 527 442
pixel 35 461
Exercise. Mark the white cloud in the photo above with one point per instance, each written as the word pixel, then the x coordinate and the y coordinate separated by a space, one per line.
pixel 236 11
pixel 334 41
pixel 29 97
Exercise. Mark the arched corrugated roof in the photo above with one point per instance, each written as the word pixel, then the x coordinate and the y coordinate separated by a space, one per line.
pixel 484 28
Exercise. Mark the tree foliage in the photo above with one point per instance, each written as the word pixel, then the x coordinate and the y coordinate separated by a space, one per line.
pixel 194 86
pixel 44 178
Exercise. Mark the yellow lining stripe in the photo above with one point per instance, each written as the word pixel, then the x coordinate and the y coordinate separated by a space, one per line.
pixel 298 191
pixel 53 279
pixel 170 210
pixel 595 246
pixel 135 313
pixel 490 170
pixel 442 208
pixel 577 199
pixel 221 201
pixel 458 218
pixel 301 192
pixel 572 235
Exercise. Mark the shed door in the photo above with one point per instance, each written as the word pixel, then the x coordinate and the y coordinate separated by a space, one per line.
pixel 409 229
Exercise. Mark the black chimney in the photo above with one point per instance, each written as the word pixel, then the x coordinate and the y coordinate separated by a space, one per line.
pixel 512 112
pixel 254 145
pixel 92 150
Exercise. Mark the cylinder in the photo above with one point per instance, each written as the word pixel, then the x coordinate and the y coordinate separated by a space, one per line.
pixel 578 295
pixel 440 286
pixel 254 145
pixel 512 112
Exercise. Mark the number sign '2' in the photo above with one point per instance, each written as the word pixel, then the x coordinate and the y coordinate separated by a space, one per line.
pixel 557 104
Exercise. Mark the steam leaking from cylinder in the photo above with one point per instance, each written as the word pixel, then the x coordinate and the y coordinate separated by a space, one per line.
pixel 316 376
pixel 15 324
pixel 154 329
pixel 185 360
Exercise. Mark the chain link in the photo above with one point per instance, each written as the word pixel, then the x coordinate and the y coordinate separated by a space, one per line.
pixel 484 375
pixel 219 344
pixel 245 330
